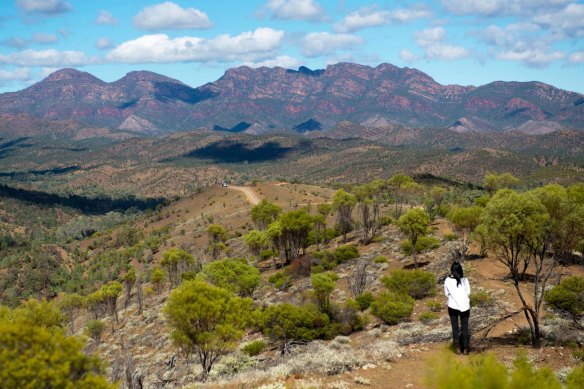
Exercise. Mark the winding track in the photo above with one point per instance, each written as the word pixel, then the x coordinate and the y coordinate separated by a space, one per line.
pixel 251 196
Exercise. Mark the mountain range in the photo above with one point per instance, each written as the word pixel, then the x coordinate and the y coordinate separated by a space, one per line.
pixel 265 100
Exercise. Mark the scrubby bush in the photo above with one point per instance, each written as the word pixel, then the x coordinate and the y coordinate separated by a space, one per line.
pixel 290 322
pixel 94 329
pixel 485 371
pixel 254 348
pixel 234 275
pixel 345 252
pixel 568 296
pixel 328 260
pixel 575 380
pixel 349 318
pixel 364 300
pixel 481 298
pixel 415 283
pixel 392 308
pixel 450 237
pixel 434 306
pixel 380 259
pixel 323 284
pixel 280 280
pixel 424 243
pixel 427 317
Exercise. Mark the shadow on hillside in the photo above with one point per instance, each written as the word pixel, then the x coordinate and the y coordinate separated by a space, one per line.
pixel 98 205
pixel 58 170
pixel 12 145
pixel 235 152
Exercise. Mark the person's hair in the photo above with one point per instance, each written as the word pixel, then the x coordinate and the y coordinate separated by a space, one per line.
pixel 456 270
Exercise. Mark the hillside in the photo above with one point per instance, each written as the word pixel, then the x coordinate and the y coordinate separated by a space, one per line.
pixel 268 99
pixel 378 352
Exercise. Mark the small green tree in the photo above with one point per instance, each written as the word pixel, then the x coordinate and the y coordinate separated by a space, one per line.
pixel 157 277
pixel 70 304
pixel 494 182
pixel 414 224
pixel 217 238
pixel 39 357
pixel 369 199
pixel 234 275
pixel 110 293
pixel 515 227
pixel 323 284
pixel 129 281
pixel 465 220
pixel 206 320
pixel 176 261
pixel 568 297
pixel 343 204
pixel 265 213
pixel 295 227
pixel 257 241
pixel 94 329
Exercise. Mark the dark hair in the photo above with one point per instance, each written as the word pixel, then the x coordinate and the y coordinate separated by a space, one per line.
pixel 456 270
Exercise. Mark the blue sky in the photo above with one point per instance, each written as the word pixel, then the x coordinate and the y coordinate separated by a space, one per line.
pixel 469 42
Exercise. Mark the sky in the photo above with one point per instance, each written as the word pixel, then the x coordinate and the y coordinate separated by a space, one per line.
pixel 466 42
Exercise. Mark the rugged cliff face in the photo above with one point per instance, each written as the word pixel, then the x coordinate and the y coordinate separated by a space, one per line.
pixel 303 100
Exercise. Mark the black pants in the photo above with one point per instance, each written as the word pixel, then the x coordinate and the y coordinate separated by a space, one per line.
pixel 460 335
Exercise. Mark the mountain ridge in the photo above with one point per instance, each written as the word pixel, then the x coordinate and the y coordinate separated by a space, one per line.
pixel 276 99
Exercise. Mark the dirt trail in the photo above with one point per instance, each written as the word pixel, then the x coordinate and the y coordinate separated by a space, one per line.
pixel 249 193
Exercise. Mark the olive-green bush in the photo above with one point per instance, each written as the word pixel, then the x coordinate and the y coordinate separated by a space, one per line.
pixel 415 283
pixel 392 307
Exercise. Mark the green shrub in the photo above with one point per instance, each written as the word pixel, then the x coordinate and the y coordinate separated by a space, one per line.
pixel 280 280
pixel 94 329
pixel 364 300
pixel 234 275
pixel 415 283
pixel 434 306
pixel 481 298
pixel 450 237
pixel 290 322
pixel 380 259
pixel 424 243
pixel 485 372
pixel 345 252
pixel 254 348
pixel 427 317
pixel 323 284
pixel 349 318
pixel 578 354
pixel 267 254
pixel 392 308
pixel 568 296
pixel 575 380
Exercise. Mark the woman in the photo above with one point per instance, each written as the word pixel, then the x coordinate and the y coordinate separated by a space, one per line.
pixel 457 289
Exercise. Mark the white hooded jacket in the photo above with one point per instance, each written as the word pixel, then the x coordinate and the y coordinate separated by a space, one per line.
pixel 458 295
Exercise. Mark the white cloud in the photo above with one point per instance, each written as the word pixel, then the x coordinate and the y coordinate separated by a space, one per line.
pixel 502 7
pixel 49 57
pixel 171 16
pixel 507 35
pixel 576 57
pixel 44 39
pixel 47 71
pixel 535 57
pixel 104 43
pixel 371 17
pixel 159 48
pixel 296 9
pixel 19 74
pixel 106 17
pixel 282 61
pixel 49 7
pixel 317 44
pixel 15 42
pixel 362 18
pixel 408 56
pixel 568 21
pixel 433 41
